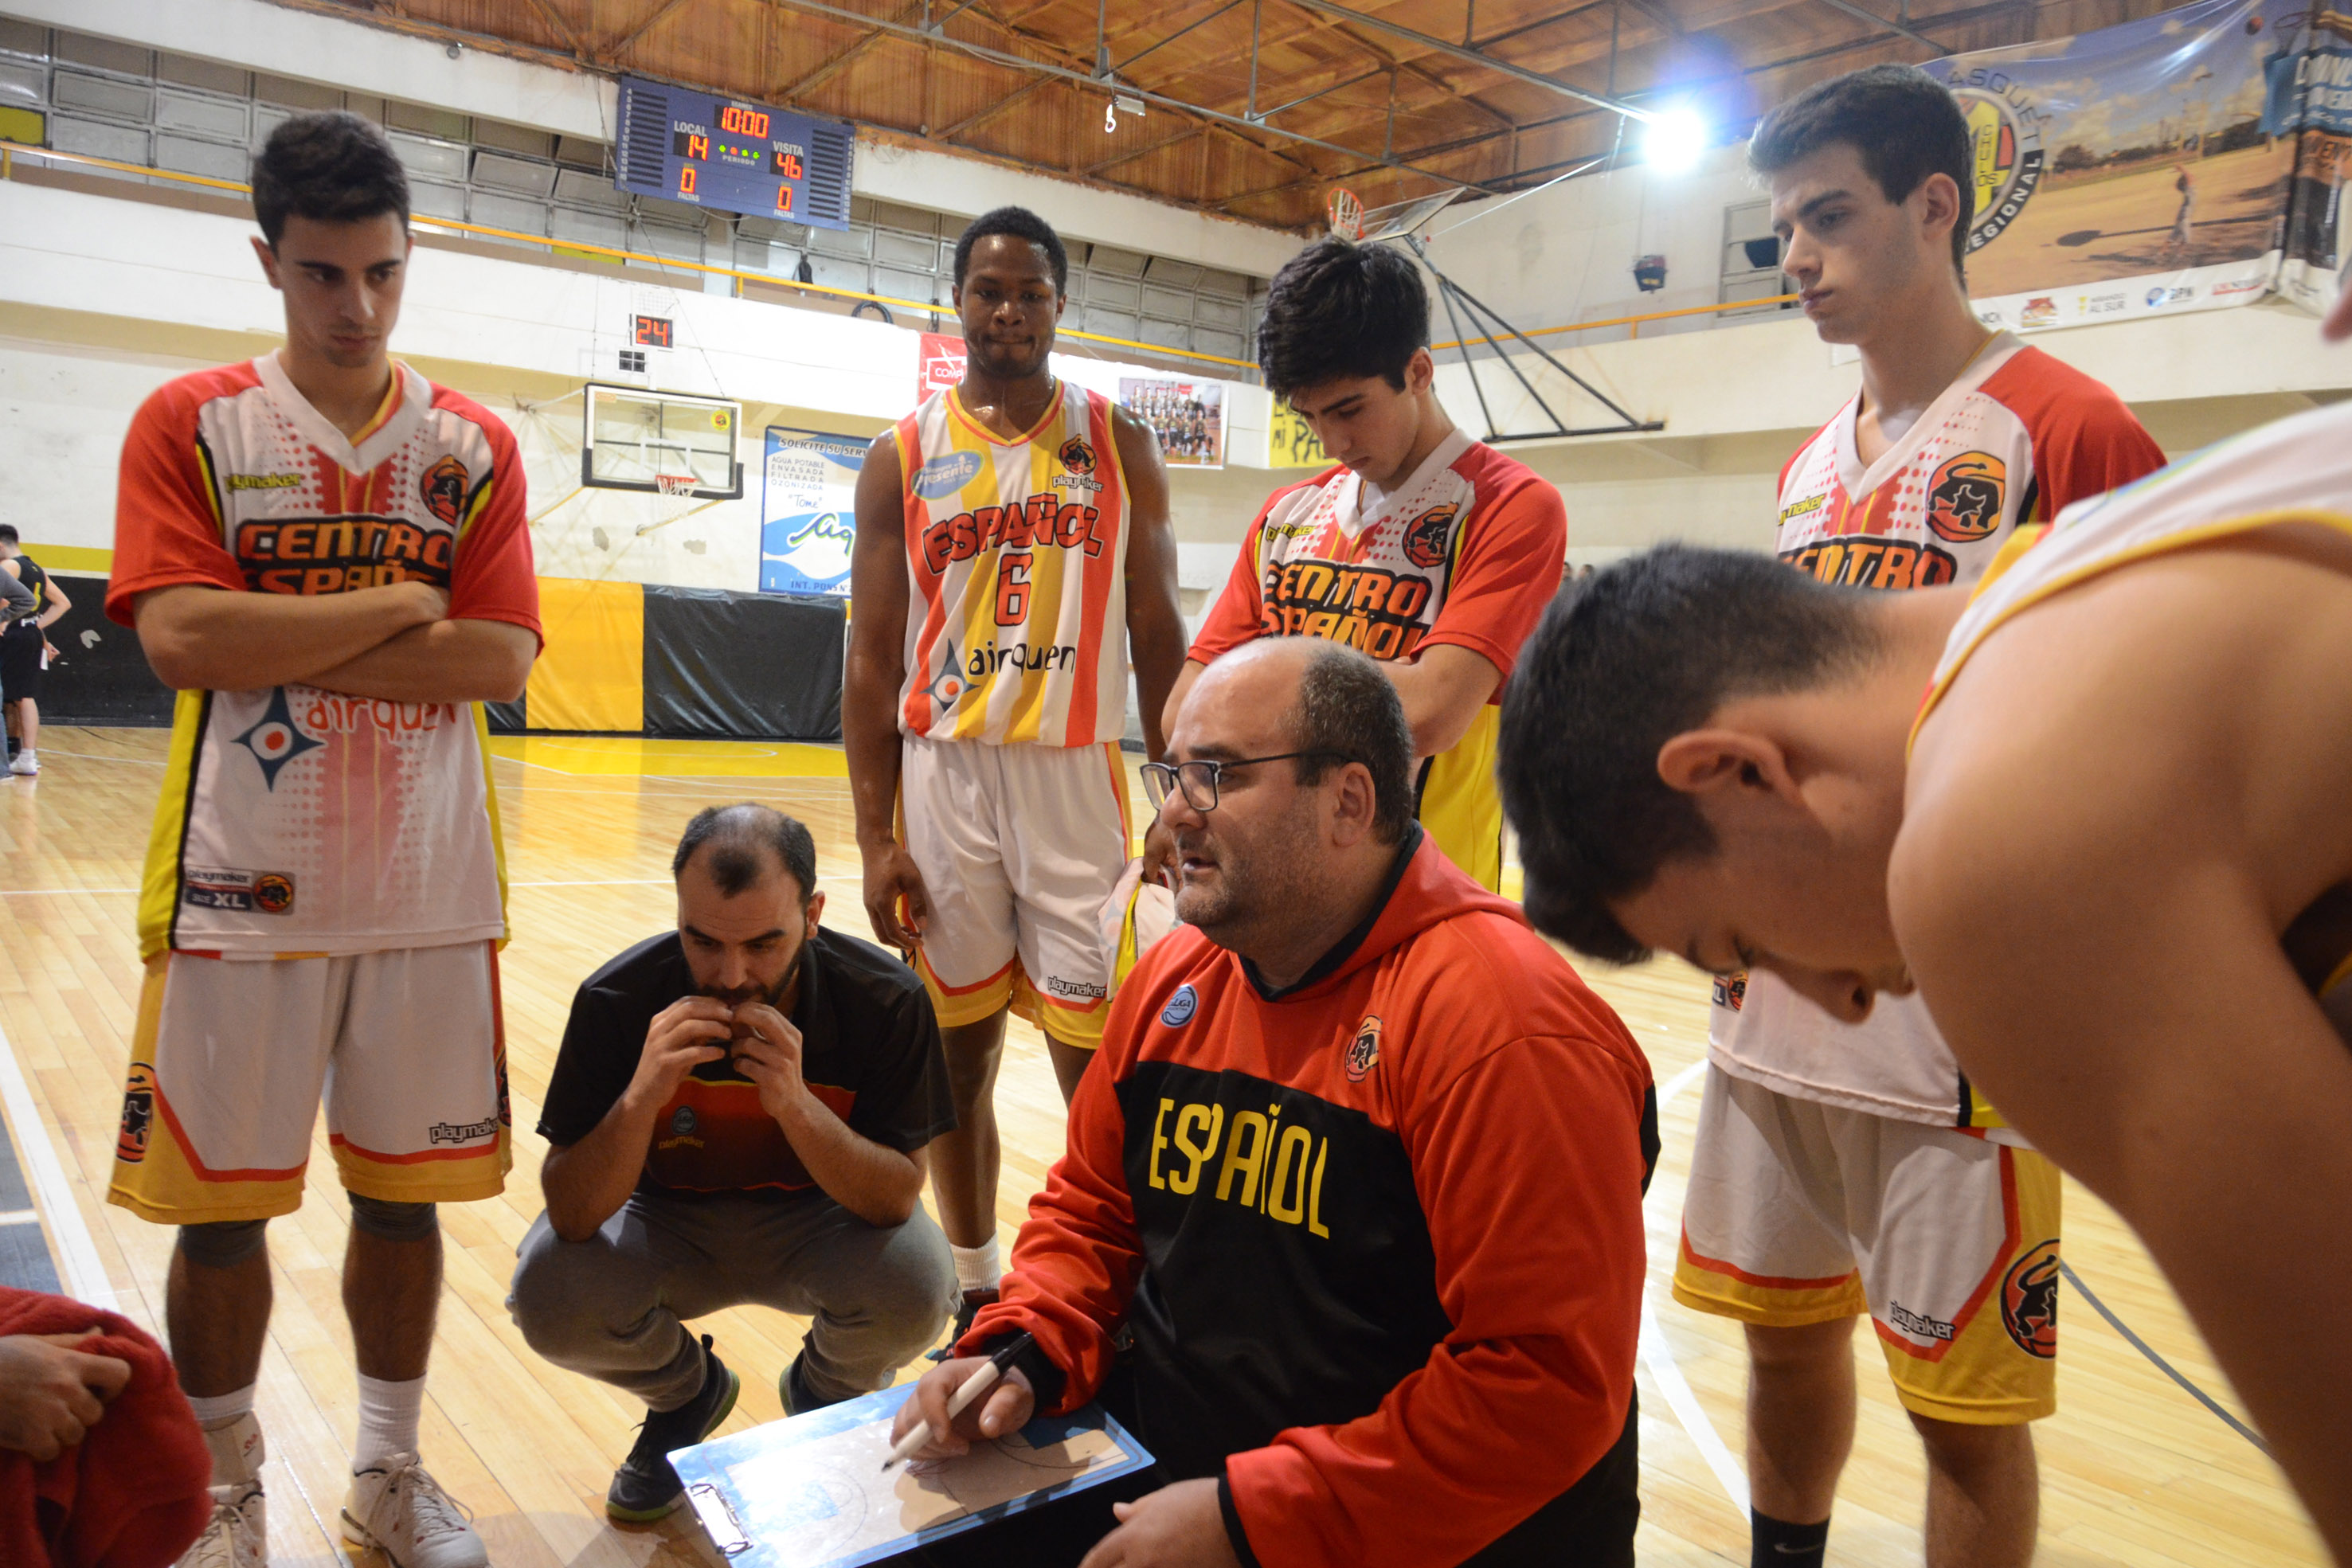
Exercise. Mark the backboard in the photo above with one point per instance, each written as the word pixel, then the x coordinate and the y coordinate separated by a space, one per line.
pixel 636 439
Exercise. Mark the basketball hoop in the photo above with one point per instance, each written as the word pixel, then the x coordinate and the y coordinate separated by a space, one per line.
pixel 1345 212
pixel 675 484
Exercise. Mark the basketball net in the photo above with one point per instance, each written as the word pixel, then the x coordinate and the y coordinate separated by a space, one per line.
pixel 1345 212
pixel 675 484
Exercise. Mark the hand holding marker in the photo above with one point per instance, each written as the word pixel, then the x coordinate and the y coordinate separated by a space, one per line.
pixel 961 1400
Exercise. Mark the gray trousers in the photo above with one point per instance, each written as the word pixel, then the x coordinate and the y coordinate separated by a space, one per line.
pixel 614 1307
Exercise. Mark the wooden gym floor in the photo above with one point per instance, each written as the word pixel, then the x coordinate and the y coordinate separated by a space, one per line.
pixel 2134 1470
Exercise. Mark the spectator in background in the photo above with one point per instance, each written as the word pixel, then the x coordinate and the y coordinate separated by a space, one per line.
pixel 100 1460
pixel 24 652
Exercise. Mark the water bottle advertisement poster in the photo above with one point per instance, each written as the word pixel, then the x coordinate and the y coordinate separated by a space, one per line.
pixel 808 517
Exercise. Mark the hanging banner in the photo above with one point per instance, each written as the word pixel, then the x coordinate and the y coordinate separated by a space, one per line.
pixel 2310 99
pixel 808 511
pixel 1290 442
pixel 1189 417
pixel 2146 168
pixel 939 365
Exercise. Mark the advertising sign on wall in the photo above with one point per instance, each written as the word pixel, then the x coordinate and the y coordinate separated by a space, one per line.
pixel 2158 166
pixel 1189 417
pixel 940 364
pixel 808 516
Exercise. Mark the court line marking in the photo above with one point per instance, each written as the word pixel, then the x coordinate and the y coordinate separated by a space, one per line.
pixel 2166 1367
pixel 84 1274
pixel 1659 1356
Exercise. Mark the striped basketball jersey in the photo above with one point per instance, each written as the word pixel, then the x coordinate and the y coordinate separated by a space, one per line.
pixel 295 819
pixel 1466 551
pixel 2017 435
pixel 1016 561
pixel 2292 478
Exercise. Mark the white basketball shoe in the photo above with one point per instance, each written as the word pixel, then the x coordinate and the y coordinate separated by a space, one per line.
pixel 396 1508
pixel 237 1536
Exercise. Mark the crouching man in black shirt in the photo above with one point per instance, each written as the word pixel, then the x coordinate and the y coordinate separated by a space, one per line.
pixel 738 1114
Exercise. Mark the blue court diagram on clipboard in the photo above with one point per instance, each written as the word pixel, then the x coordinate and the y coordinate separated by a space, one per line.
pixel 811 1492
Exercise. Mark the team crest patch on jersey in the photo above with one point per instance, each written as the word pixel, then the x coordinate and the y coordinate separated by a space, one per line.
pixel 444 489
pixel 1964 497
pixel 1426 536
pixel 945 475
pixel 2029 1300
pixel 1078 456
pixel 1364 1050
pixel 138 1115
pixel 1181 1006
pixel 681 1120
pixel 1731 991
pixel 274 741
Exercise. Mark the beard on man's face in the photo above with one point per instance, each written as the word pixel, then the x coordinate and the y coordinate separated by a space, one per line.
pixel 1270 879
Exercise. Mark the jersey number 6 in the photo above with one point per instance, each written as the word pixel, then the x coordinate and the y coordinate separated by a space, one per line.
pixel 1012 588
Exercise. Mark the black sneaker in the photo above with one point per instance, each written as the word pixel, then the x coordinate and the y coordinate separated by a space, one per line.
pixel 967 1310
pixel 646 1487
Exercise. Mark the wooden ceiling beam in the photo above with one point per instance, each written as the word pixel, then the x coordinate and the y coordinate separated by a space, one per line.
pixel 617 47
pixel 1189 132
pixel 562 28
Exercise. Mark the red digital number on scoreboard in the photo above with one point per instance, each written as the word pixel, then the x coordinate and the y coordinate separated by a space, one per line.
pixel 653 331
pixel 743 122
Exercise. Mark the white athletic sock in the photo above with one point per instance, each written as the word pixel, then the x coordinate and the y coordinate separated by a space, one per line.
pixel 978 1267
pixel 221 1408
pixel 389 1415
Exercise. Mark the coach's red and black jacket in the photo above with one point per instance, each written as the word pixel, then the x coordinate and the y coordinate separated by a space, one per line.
pixel 1378 1236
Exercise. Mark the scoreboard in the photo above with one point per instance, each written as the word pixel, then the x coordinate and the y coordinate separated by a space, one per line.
pixel 687 146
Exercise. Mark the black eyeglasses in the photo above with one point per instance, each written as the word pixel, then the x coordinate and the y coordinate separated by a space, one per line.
pixel 1199 779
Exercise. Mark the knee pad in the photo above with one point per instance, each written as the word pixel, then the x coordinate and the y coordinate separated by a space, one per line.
pixel 394 1221
pixel 223 1243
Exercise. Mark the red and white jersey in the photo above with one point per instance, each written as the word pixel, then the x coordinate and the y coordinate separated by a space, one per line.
pixel 1016 566
pixel 2014 438
pixel 294 819
pixel 1466 551
pixel 2017 435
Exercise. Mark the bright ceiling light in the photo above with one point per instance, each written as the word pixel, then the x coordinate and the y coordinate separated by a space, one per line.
pixel 1672 142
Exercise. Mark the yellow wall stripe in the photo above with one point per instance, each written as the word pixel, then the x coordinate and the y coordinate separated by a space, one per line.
pixel 591 675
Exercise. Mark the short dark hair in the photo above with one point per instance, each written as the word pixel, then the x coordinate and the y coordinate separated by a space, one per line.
pixel 331 167
pixel 737 834
pixel 1021 224
pixel 1904 123
pixel 1342 310
pixel 1624 661
pixel 1346 709
pixel 7 533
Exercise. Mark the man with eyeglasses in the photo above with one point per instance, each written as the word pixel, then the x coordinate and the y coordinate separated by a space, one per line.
pixel 1361 1166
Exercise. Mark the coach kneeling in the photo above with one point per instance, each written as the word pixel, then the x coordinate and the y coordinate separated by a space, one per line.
pixel 1360 1165
pixel 739 1115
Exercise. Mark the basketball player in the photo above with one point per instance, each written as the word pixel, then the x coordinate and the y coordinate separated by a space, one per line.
pixel 23 652
pixel 1430 551
pixel 326 554
pixel 1847 1168
pixel 1012 546
pixel 2117 864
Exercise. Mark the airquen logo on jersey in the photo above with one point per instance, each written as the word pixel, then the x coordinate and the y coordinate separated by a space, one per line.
pixel 274 741
pixel 947 689
pixel 1364 1050
pixel 444 489
pixel 1426 536
pixel 1964 497
pixel 2029 1300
